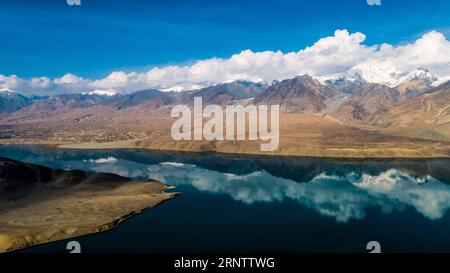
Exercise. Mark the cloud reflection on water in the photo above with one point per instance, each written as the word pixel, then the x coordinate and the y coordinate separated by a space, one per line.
pixel 343 197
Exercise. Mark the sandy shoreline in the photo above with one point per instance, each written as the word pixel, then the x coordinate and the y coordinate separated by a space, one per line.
pixel 71 204
pixel 252 149
pixel 44 222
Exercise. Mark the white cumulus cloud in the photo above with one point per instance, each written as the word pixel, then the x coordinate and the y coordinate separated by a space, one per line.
pixel 343 52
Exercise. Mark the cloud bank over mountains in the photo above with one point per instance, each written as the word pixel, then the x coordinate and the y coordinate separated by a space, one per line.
pixel 329 57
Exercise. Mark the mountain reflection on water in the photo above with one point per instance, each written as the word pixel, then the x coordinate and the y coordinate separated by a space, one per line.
pixel 340 188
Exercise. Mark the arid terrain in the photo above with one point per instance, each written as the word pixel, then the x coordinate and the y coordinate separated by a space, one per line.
pixel 39 204
pixel 341 118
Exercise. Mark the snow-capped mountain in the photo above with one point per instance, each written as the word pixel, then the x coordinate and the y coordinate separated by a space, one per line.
pixel 102 92
pixel 181 88
pixel 348 82
pixel 422 74
pixel 388 74
pixel 12 101
pixel 382 74
pixel 416 82
pixel 351 76
pixel 191 87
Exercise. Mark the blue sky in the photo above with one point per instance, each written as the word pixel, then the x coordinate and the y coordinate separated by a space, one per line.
pixel 50 38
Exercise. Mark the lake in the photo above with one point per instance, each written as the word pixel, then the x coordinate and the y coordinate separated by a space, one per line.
pixel 232 203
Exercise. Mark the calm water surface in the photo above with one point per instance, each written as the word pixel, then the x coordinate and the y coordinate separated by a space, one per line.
pixel 267 204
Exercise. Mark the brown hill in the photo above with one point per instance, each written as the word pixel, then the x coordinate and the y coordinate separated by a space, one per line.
pixel 413 88
pixel 301 94
pixel 425 116
pixel 225 93
pixel 372 100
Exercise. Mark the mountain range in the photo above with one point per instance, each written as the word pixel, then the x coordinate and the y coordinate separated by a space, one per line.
pixel 359 112
pixel 11 101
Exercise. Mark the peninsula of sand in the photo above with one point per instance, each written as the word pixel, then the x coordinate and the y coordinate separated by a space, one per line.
pixel 40 205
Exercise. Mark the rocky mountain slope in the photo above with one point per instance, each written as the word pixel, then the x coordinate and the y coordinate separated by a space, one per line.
pixel 425 116
pixel 301 94
pixel 11 101
pixel 369 101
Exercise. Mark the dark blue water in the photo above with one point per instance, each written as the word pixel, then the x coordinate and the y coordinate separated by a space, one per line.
pixel 268 204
